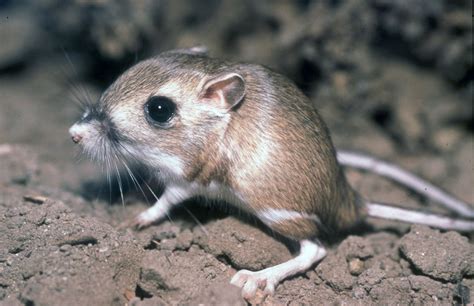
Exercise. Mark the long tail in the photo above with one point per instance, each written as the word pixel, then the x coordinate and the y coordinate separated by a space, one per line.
pixel 394 172
pixel 378 210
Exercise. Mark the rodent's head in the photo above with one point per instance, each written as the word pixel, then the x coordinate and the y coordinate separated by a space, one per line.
pixel 162 111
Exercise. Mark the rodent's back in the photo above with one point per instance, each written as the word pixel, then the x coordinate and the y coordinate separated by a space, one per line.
pixel 282 156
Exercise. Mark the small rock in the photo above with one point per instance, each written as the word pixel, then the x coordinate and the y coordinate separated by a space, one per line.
pixel 65 248
pixel 356 266
pixel 36 199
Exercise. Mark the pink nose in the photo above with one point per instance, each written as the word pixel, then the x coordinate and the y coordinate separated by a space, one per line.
pixel 76 138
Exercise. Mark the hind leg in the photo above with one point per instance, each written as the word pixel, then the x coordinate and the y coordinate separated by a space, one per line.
pixel 292 224
pixel 310 253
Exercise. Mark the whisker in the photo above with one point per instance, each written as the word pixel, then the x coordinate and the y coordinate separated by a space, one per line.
pixel 80 94
pixel 108 159
pixel 134 180
pixel 109 177
pixel 120 184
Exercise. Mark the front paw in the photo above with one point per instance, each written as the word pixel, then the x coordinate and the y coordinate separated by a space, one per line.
pixel 142 221
pixel 138 223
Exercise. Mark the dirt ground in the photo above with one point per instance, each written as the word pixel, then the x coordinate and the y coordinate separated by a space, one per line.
pixel 391 78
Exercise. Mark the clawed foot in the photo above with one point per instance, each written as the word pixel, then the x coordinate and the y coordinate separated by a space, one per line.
pixel 141 221
pixel 251 281
pixel 267 279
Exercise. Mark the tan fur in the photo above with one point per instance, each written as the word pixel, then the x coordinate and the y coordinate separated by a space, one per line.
pixel 298 229
pixel 272 148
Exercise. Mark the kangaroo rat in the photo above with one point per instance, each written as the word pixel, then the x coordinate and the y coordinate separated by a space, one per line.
pixel 247 135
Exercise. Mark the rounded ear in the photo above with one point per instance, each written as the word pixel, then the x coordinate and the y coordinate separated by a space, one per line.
pixel 224 91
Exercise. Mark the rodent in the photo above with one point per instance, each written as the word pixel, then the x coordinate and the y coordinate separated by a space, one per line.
pixel 244 134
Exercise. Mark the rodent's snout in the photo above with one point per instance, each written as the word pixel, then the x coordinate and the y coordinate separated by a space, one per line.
pixel 75 133
pixel 76 138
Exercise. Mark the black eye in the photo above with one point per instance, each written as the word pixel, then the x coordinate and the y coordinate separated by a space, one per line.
pixel 159 110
